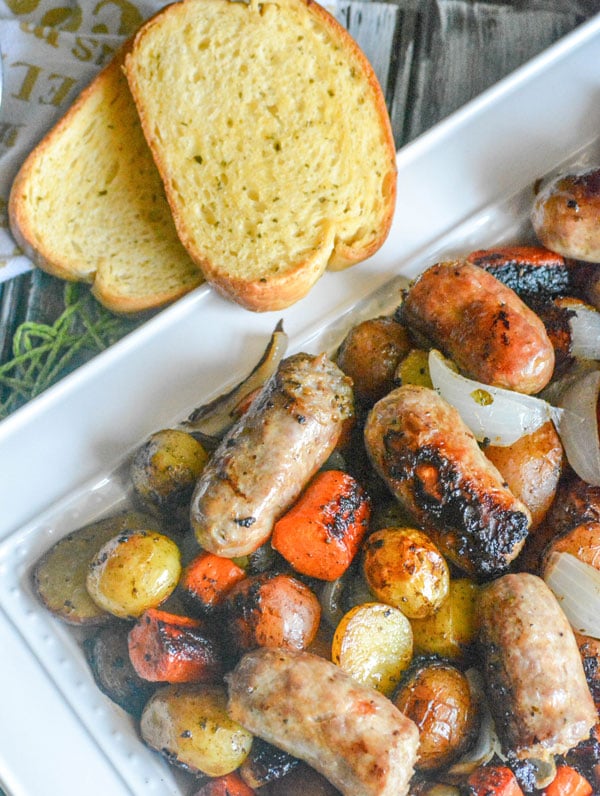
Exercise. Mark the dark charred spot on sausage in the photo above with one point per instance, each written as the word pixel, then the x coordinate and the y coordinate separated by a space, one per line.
pixel 572 204
pixel 477 528
pixel 186 734
pixel 531 280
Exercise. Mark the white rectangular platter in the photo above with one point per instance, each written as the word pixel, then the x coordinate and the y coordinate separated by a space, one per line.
pixel 466 184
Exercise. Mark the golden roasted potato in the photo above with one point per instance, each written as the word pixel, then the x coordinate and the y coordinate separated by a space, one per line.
pixel 404 568
pixel 437 697
pixel 451 631
pixel 370 354
pixel 59 577
pixel 164 471
pixel 373 642
pixel 531 467
pixel 134 571
pixel 189 724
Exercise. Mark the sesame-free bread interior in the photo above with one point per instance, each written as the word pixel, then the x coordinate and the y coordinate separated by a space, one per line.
pixel 88 203
pixel 271 134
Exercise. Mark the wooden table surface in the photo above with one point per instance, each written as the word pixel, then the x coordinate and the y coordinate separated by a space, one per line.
pixel 431 57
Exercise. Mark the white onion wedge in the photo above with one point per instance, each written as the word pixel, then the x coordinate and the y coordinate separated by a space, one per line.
pixel 578 426
pixel 492 413
pixel 585 332
pixel 576 586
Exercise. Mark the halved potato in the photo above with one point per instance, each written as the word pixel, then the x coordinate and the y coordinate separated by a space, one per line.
pixel 373 642
pixel 59 577
pixel 190 726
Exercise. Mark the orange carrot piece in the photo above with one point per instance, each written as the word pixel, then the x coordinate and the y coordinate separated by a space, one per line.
pixel 227 785
pixel 568 782
pixel 165 647
pixel 322 532
pixel 207 578
pixel 493 781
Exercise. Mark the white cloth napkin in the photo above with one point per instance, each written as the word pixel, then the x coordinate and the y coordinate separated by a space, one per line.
pixel 51 49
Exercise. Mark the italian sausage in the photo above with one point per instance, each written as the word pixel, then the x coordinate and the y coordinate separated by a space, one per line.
pixel 265 460
pixel 535 682
pixel 432 463
pixel 531 271
pixel 309 707
pixel 480 324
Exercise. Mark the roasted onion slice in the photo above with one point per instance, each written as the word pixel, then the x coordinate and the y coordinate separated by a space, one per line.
pixel 578 426
pixel 216 417
pixel 494 414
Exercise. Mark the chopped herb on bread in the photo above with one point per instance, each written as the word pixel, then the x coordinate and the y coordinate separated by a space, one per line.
pixel 88 204
pixel 271 134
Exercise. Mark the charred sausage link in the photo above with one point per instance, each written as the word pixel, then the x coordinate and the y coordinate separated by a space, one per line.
pixel 264 462
pixel 309 707
pixel 432 463
pixel 481 324
pixel 534 675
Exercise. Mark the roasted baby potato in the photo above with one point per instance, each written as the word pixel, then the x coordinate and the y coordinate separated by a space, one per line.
pixel 164 471
pixel 452 629
pixel 271 610
pixel 189 725
pixel 370 354
pixel 59 577
pixel 373 642
pixel 565 215
pixel 531 467
pixel 108 655
pixel 134 571
pixel 437 697
pixel 404 568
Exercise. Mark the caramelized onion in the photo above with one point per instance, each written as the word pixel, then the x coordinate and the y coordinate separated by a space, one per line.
pixel 216 417
pixel 578 426
pixel 576 586
pixel 494 414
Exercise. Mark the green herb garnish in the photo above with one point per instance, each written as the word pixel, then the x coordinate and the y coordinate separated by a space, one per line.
pixel 44 353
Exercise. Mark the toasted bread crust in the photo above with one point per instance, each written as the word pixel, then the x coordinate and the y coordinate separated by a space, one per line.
pixel 119 235
pixel 317 133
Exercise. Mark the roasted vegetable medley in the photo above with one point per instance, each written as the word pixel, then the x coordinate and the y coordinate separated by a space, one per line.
pixel 375 571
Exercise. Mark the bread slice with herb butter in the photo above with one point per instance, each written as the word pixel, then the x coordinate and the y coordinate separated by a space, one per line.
pixel 88 203
pixel 270 131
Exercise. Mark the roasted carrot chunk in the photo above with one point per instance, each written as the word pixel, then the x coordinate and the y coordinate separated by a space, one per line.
pixel 165 647
pixel 207 578
pixel 568 782
pixel 493 781
pixel 322 532
pixel 228 785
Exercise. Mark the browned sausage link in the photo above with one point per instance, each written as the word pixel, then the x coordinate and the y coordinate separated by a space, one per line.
pixel 264 462
pixel 481 324
pixel 534 676
pixel 531 271
pixel 432 463
pixel 309 707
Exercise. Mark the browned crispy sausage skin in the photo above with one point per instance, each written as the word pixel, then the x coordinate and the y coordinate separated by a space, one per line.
pixel 309 707
pixel 481 324
pixel 432 463
pixel 534 675
pixel 264 462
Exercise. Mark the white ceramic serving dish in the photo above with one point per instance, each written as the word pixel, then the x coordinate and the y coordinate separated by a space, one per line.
pixel 466 184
